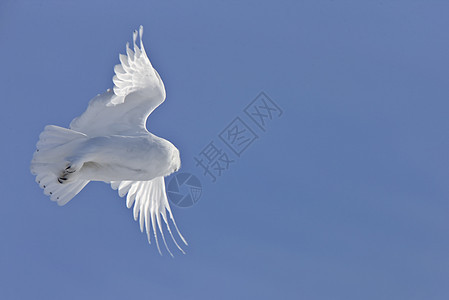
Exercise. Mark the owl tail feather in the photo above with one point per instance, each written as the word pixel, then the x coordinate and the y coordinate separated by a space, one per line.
pixel 54 146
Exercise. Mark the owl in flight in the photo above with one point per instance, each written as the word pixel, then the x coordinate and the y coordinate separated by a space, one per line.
pixel 110 142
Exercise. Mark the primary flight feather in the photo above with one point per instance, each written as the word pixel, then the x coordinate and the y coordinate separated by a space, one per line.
pixel 109 142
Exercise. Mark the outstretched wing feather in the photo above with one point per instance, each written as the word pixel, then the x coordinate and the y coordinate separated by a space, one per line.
pixel 150 207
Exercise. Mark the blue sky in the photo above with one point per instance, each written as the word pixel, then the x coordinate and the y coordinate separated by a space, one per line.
pixel 345 196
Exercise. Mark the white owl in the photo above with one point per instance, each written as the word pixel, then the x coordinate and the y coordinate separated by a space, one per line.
pixel 109 142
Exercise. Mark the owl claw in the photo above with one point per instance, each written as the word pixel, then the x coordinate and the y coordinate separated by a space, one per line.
pixel 70 169
pixel 62 179
pixel 67 173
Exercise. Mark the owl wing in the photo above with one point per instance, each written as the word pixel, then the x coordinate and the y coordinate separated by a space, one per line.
pixel 138 90
pixel 150 206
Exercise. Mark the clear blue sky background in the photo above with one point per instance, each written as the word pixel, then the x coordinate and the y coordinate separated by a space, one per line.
pixel 344 197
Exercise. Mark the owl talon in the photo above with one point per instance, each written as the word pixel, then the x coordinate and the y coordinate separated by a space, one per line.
pixel 70 169
pixel 62 179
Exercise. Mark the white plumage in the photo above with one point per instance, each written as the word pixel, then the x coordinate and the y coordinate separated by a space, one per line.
pixel 109 142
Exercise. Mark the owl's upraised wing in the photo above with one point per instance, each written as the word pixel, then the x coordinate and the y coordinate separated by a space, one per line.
pixel 138 90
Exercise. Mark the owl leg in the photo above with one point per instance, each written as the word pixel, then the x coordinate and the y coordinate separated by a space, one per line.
pixel 73 165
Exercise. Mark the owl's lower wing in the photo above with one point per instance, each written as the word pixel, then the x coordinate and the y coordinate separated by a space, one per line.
pixel 150 204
